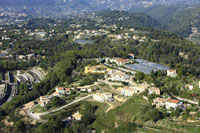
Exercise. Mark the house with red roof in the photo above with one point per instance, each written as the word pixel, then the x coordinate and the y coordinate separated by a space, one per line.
pixel 121 62
pixel 171 73
pixel 173 103
pixel 167 103
pixel 62 91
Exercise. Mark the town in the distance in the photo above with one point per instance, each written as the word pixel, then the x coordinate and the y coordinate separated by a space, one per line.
pixel 104 72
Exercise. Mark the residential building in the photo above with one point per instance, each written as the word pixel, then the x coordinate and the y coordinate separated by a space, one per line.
pixel 77 116
pixel 172 103
pixel 118 76
pixel 135 37
pixel 190 87
pixel 159 102
pixel 44 100
pixel 131 29
pixel 102 97
pixel 126 91
pixel 154 90
pixel 62 91
pixel 171 73
pixel 167 103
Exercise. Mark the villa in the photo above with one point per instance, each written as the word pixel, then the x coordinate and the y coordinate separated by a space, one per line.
pixel 171 73
pixel 121 62
pixel 154 90
pixel 44 100
pixel 102 97
pixel 118 76
pixel 167 103
pixel 62 91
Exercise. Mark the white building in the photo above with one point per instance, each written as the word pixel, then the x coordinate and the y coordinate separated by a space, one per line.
pixel 126 91
pixel 118 76
pixel 62 91
pixel 190 87
pixel 44 100
pixel 171 73
pixel 167 103
pixel 172 103
pixel 154 90
pixel 102 97
pixel 122 62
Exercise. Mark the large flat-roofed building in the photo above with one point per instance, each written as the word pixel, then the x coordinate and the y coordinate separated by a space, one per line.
pixel 146 66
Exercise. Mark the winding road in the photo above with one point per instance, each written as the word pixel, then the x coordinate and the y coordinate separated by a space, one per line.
pixel 36 116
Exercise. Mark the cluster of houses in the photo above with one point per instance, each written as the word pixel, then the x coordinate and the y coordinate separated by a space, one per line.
pixel 127 36
pixel 60 91
pixel 79 33
pixel 131 90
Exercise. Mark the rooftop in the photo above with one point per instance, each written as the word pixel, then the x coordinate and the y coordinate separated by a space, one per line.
pixel 172 70
pixel 122 60
pixel 173 101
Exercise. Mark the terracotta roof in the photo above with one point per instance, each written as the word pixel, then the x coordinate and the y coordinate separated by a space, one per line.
pixel 172 70
pixel 122 60
pixel 60 88
pixel 172 101
pixel 67 89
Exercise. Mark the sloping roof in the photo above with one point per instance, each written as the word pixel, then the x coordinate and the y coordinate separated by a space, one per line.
pixel 122 60
pixel 67 89
pixel 172 101
pixel 60 88
pixel 172 70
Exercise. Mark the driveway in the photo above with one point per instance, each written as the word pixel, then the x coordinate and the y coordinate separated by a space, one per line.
pixel 36 116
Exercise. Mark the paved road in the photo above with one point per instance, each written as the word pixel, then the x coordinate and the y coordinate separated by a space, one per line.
pixel 36 116
pixel 121 69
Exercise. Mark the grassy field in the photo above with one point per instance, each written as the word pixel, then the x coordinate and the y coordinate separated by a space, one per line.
pixel 120 115
pixel 130 112
pixel 39 109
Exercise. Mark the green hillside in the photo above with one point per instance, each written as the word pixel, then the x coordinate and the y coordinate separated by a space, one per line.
pixel 128 19
pixel 176 19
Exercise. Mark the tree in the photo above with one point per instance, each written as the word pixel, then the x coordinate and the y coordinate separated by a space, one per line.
pixel 56 101
pixel 139 76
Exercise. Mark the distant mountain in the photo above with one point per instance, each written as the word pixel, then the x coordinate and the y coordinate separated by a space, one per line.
pixel 123 4
pixel 43 2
